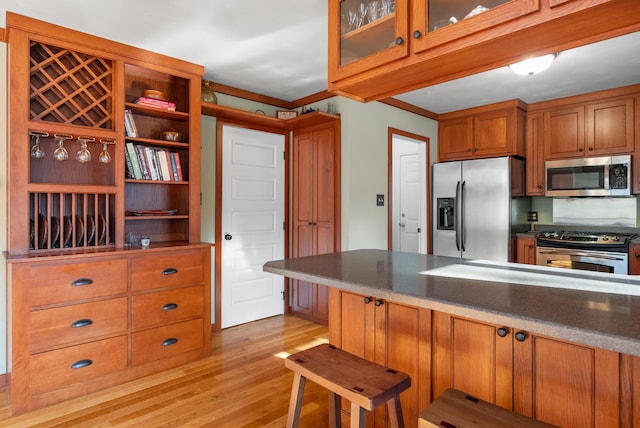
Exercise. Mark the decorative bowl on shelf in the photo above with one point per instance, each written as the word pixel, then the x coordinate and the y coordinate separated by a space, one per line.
pixel 154 94
pixel 172 135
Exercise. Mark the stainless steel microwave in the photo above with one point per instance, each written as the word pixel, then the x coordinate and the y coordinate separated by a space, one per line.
pixel 597 176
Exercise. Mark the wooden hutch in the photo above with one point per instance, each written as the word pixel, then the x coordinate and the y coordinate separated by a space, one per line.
pixel 88 306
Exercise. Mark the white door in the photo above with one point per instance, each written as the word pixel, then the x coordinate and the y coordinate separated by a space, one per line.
pixel 409 217
pixel 252 224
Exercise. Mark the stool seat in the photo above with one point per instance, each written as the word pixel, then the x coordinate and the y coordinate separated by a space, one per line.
pixel 365 384
pixel 457 409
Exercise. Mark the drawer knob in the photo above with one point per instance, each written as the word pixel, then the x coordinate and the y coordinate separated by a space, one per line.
pixel 170 306
pixel 82 281
pixel 521 336
pixel 81 364
pixel 170 341
pixel 169 271
pixel 81 323
pixel 503 331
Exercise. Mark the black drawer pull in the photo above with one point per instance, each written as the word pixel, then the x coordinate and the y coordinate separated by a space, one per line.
pixel 169 271
pixel 170 341
pixel 81 323
pixel 81 363
pixel 82 281
pixel 170 306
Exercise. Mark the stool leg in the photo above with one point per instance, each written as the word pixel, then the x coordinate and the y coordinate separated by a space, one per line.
pixel 395 412
pixel 358 416
pixel 334 410
pixel 295 402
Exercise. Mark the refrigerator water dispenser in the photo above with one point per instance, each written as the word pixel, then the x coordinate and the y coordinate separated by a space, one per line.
pixel 446 215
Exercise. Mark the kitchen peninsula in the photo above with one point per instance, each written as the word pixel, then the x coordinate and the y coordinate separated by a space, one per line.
pixel 560 346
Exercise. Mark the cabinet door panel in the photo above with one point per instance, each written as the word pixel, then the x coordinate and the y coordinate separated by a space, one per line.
pixel 610 127
pixel 568 384
pixel 535 154
pixel 470 356
pixel 492 133
pixel 564 133
pixel 455 139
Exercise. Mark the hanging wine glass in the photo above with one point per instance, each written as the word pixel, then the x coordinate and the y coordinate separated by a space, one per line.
pixel 104 156
pixel 36 150
pixel 61 154
pixel 84 155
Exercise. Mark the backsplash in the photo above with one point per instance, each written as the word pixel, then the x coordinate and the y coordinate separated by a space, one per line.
pixel 612 212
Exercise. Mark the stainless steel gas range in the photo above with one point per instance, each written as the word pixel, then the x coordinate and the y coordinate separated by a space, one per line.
pixel 600 252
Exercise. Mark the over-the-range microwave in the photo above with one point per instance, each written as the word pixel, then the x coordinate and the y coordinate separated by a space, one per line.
pixel 597 176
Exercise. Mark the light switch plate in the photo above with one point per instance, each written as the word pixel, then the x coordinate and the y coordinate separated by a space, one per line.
pixel 380 200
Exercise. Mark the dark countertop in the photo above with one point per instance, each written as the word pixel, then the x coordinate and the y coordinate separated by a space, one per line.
pixel 595 309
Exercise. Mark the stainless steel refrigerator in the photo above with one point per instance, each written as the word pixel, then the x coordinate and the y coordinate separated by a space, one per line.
pixel 475 208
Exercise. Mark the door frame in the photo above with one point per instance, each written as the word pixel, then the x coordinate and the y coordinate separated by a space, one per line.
pixel 218 216
pixel 420 139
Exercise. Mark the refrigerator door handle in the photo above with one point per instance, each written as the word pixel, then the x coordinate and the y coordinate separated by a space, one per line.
pixel 456 219
pixel 461 210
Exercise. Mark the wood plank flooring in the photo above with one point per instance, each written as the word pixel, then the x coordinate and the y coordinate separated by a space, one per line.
pixel 243 384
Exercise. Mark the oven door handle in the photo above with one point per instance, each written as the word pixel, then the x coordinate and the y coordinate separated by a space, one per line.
pixel 579 253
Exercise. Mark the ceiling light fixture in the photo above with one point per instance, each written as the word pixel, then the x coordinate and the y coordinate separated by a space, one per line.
pixel 531 66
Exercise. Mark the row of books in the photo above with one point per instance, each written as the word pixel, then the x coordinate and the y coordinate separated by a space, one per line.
pixel 152 102
pixel 149 163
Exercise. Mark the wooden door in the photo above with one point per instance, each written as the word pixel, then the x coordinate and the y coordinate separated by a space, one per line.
pixel 526 250
pixel 313 220
pixel 564 135
pixel 610 127
pixel 535 154
pixel 455 139
pixel 473 357
pixel 566 384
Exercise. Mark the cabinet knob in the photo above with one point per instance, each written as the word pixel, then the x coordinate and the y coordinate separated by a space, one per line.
pixel 81 364
pixel 169 271
pixel 170 307
pixel 81 323
pixel 170 341
pixel 521 336
pixel 581 149
pixel 417 34
pixel 590 149
pixel 530 246
pixel 539 186
pixel 378 302
pixel 637 255
pixel 399 41
pixel 503 331
pixel 367 300
pixel 82 281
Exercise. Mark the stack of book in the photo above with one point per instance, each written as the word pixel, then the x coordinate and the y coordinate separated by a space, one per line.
pixel 155 103
pixel 150 163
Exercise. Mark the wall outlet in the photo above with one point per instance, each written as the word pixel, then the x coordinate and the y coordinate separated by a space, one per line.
pixel 380 200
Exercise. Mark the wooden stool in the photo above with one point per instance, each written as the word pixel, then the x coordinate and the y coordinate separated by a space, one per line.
pixel 457 409
pixel 365 384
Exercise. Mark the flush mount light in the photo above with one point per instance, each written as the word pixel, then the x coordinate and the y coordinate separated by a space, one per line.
pixel 531 66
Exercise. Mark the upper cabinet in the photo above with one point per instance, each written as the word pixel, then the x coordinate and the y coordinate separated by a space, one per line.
pixel 380 48
pixel 600 128
pixel 489 131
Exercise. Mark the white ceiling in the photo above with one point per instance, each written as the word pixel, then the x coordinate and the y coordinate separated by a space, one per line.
pixel 279 48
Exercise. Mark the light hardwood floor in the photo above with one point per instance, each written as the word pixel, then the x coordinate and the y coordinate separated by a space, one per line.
pixel 243 384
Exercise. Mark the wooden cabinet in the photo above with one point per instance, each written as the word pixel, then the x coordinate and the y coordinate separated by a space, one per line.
pixel 634 259
pixel 535 178
pixel 87 310
pixel 390 334
pixel 635 161
pixel 555 381
pixel 489 131
pixel 70 90
pixel 526 250
pixel 601 128
pixel 95 328
pixel 416 44
pixel 315 200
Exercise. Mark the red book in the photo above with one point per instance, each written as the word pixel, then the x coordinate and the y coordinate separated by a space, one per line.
pixel 178 166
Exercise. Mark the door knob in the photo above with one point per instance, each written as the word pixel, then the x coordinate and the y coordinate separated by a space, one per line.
pixel 227 237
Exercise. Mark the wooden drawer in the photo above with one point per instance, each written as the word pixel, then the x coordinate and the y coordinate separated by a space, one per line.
pixel 157 271
pixel 166 341
pixel 67 282
pixel 55 369
pixel 50 328
pixel 166 307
